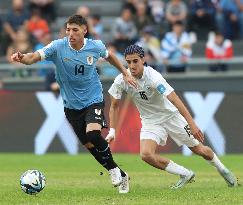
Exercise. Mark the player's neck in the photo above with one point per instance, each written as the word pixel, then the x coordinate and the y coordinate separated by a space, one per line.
pixel 77 46
pixel 140 75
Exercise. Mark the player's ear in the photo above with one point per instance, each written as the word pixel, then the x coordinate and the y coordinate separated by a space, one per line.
pixel 143 60
pixel 85 30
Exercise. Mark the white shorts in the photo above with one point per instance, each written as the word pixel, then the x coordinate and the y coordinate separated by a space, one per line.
pixel 176 128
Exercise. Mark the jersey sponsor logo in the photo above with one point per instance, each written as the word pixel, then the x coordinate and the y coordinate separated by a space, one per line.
pixel 98 111
pixel 161 89
pixel 90 60
pixel 66 59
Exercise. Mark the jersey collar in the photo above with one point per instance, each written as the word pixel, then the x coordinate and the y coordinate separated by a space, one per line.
pixel 85 41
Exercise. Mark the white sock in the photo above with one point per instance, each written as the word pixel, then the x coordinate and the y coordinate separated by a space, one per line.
pixel 174 168
pixel 217 163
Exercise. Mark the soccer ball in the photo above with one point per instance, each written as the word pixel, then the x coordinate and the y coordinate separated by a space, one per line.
pixel 32 181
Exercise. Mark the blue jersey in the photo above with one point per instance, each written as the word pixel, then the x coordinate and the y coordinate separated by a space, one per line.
pixel 76 73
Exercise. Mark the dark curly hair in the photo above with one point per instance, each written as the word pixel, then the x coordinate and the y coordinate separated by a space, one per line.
pixel 134 49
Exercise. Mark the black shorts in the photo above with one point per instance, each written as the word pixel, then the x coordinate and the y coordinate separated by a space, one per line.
pixel 80 118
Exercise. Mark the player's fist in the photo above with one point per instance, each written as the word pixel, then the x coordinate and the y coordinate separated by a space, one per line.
pixel 17 57
pixel 111 135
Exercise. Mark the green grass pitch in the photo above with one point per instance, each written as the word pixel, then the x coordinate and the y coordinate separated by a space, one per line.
pixel 77 179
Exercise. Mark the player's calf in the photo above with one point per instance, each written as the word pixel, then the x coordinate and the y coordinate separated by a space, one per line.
pixel 203 151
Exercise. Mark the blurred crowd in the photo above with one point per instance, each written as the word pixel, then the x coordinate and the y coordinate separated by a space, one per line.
pixel 165 29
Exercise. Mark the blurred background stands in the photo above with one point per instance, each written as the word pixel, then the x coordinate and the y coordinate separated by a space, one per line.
pixel 109 11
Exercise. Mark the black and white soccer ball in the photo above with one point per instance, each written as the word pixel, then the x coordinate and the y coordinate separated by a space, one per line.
pixel 32 182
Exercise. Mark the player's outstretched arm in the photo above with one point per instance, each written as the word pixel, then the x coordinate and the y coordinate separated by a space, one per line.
pixel 113 113
pixel 27 59
pixel 175 100
pixel 113 60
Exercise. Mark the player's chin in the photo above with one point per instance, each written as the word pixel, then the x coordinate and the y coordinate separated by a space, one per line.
pixel 72 41
pixel 135 75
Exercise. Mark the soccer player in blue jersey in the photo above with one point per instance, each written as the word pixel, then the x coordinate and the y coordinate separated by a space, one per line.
pixel 80 87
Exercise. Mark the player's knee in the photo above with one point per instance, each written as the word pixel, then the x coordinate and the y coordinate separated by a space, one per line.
pixel 97 140
pixel 146 156
pixel 93 136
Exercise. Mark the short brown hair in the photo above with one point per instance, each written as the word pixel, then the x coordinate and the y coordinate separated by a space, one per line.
pixel 77 19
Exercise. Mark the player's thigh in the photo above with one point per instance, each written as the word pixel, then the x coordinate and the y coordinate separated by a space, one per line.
pixel 76 119
pixel 154 132
pixel 93 126
pixel 179 130
pixel 95 118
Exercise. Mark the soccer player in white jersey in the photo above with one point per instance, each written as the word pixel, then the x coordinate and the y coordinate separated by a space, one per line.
pixel 163 114
pixel 80 87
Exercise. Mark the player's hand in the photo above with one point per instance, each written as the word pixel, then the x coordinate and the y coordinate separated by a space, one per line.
pixel 17 57
pixel 111 135
pixel 198 135
pixel 129 79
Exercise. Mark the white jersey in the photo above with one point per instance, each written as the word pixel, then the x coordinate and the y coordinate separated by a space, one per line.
pixel 150 97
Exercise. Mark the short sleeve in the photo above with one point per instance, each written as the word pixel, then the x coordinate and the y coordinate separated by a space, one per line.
pixel 48 52
pixel 117 87
pixel 160 84
pixel 103 51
